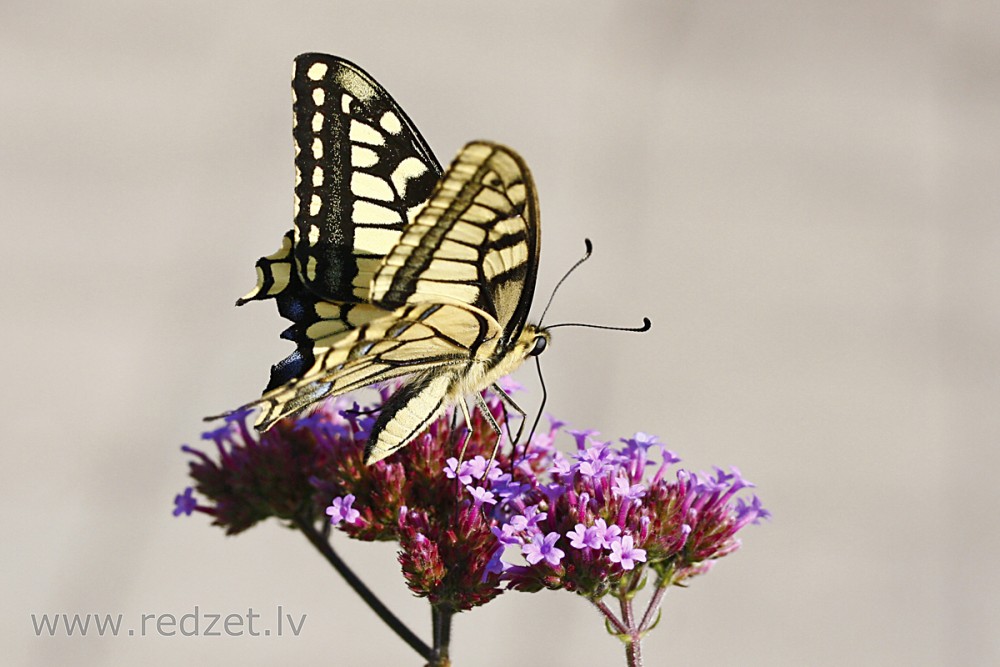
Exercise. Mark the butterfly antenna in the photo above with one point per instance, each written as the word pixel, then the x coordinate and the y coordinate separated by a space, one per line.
pixel 646 324
pixel 586 256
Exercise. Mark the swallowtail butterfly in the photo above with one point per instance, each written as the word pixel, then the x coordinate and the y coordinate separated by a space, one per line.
pixel 395 268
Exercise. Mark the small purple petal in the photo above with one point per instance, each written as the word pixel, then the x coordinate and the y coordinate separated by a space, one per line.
pixel 476 467
pixel 340 510
pixel 495 565
pixel 543 548
pixel 481 495
pixel 555 424
pixel 185 503
pixel 609 534
pixel 622 489
pixel 462 473
pixel 623 551
pixel 581 437
pixel 577 536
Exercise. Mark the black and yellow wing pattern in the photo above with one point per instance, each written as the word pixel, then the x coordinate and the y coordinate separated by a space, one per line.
pixel 395 269
pixel 361 172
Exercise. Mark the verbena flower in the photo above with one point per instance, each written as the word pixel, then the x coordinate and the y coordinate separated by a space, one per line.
pixel 304 469
pixel 593 522
pixel 185 502
pixel 610 515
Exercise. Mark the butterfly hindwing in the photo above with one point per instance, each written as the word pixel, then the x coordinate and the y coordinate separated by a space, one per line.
pixel 316 323
pixel 411 410
pixel 415 338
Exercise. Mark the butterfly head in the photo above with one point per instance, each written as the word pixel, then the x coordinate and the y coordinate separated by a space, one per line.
pixel 537 338
pixel 532 342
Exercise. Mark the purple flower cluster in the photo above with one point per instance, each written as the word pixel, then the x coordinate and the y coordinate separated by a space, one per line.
pixel 468 530
pixel 254 476
pixel 583 522
pixel 309 468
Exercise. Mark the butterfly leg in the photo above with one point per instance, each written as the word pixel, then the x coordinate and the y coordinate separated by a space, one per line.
pixel 506 418
pixel 506 398
pixel 485 409
pixel 468 432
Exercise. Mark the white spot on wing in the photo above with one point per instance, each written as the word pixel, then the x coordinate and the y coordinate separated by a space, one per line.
pixel 375 240
pixel 317 71
pixel 365 134
pixel 359 315
pixel 317 123
pixel 317 148
pixel 507 227
pixel 504 259
pixel 317 176
pixel 409 168
pixel 367 213
pixel 325 329
pixel 454 250
pixel 478 214
pixel 363 157
pixel 390 123
pixel 313 234
pixel 314 205
pixel 319 96
pixel 327 310
pixel 345 103
pixel 468 233
pixel 372 187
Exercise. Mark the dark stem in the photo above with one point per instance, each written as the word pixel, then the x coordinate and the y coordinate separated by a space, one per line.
pixel 390 619
pixel 441 621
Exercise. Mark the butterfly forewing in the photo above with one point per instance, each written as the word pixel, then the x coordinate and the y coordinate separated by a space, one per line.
pixel 476 241
pixel 352 143
pixel 361 172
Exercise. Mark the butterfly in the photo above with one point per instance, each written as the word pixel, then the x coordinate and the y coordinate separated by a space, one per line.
pixel 396 268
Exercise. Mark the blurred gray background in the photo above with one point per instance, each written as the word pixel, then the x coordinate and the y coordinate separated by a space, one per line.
pixel 802 196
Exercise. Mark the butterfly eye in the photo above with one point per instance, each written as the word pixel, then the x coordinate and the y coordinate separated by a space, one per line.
pixel 539 346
